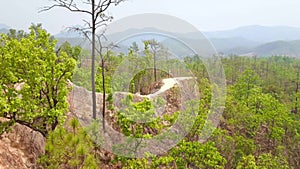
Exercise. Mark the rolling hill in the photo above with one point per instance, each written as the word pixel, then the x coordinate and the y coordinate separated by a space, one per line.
pixel 288 48
pixel 254 39
pixel 258 33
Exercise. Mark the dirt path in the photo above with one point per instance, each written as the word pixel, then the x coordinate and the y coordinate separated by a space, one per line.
pixel 167 84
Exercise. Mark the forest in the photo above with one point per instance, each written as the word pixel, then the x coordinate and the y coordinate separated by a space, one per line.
pixel 259 128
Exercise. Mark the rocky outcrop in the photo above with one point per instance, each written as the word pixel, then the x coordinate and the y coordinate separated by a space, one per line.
pixel 173 91
pixel 80 99
pixel 20 148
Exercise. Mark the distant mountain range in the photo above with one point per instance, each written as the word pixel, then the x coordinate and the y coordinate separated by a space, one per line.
pixel 286 48
pixel 248 40
pixel 257 40
pixel 259 33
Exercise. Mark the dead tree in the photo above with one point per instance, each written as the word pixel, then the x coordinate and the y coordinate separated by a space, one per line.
pixel 98 20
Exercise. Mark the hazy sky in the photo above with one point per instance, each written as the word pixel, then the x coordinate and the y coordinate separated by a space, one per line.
pixel 206 15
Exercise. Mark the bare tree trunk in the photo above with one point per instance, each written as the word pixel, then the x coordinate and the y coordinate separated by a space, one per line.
pixel 296 91
pixel 104 93
pixel 93 61
pixel 154 60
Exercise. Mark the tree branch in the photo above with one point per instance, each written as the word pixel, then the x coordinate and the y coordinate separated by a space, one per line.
pixel 103 7
pixel 44 133
pixel 71 6
pixel 29 125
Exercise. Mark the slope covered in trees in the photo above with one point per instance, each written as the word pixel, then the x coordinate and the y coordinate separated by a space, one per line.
pixel 259 127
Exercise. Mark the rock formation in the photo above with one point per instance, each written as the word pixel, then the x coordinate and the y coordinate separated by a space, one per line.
pixel 20 148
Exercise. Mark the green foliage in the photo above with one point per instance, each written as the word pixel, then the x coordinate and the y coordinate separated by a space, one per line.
pixel 69 148
pixel 137 163
pixel 189 154
pixel 260 100
pixel 247 162
pixel 270 161
pixel 138 116
pixel 264 161
pixel 82 77
pixel 33 80
pixel 260 124
pixel 99 82
pixel 259 128
pixel 82 73
pixel 143 114
pixel 74 52
pixel 184 155
pixel 5 126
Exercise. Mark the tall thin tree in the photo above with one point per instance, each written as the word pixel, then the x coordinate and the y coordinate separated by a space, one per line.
pixel 98 19
pixel 154 47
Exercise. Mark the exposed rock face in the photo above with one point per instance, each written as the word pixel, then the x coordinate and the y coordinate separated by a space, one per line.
pixel 20 148
pixel 152 88
pixel 173 91
pixel 80 99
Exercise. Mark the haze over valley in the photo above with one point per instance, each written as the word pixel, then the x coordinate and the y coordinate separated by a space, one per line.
pixel 248 40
